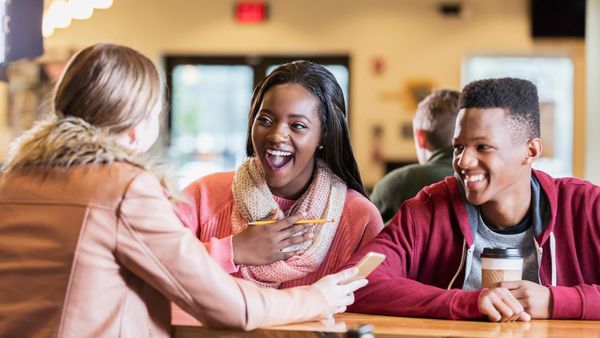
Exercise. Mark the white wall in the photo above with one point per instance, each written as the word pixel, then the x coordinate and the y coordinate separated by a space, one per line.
pixel 592 31
pixel 412 38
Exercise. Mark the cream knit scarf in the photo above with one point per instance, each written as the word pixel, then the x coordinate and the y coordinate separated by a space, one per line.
pixel 324 198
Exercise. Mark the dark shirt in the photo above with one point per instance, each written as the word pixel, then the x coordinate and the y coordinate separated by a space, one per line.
pixel 404 183
pixel 520 228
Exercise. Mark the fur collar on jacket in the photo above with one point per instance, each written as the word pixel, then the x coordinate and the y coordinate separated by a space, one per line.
pixel 70 141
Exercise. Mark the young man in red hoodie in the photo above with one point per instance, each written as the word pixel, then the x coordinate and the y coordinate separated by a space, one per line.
pixel 433 244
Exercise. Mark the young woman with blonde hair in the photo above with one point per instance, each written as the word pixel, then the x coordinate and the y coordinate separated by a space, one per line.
pixel 89 242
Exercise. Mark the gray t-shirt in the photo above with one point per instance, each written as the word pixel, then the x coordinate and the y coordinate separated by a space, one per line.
pixel 487 238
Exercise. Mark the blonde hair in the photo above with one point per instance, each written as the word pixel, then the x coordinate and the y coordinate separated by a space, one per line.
pixel 108 86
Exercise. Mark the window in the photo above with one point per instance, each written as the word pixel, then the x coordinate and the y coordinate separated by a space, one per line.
pixel 2 31
pixel 553 77
pixel 210 100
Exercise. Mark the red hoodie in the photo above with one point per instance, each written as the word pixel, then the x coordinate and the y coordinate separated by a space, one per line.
pixel 429 243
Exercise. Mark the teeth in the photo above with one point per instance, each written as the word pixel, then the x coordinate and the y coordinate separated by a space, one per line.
pixel 474 178
pixel 278 152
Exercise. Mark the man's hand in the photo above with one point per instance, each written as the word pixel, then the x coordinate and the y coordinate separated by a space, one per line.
pixel 262 244
pixel 498 304
pixel 535 298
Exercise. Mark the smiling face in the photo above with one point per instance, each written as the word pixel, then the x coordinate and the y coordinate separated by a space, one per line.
pixel 285 135
pixel 492 161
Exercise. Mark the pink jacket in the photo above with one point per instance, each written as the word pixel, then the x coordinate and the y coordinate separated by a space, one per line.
pixel 91 247
pixel 428 248
pixel 209 216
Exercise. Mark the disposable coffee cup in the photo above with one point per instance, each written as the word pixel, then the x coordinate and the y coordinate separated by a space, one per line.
pixel 500 265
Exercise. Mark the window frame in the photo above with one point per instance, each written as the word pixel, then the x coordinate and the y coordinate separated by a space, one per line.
pixel 259 64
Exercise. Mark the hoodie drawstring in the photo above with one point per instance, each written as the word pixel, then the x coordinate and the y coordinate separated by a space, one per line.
pixel 553 257
pixel 462 260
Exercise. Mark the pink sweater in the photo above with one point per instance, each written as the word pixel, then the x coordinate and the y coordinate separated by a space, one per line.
pixel 209 216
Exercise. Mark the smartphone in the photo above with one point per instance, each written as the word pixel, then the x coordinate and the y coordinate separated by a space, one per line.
pixel 366 265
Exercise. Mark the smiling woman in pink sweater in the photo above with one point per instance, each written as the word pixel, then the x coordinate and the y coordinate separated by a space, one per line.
pixel 300 161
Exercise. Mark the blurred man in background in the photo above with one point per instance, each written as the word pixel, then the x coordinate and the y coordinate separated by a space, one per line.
pixel 433 127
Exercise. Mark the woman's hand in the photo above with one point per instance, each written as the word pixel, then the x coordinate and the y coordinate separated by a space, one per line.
pixel 337 293
pixel 262 244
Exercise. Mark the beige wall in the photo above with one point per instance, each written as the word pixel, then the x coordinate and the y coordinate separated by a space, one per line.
pixel 412 38
pixel 5 132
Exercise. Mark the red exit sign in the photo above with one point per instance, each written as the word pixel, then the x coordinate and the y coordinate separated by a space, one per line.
pixel 251 12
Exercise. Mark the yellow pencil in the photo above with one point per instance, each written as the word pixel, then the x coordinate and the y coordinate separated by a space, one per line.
pixel 302 221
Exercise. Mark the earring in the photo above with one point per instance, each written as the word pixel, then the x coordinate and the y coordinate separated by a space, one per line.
pixel 320 147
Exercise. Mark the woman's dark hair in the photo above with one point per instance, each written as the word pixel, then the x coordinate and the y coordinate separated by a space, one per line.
pixel 317 80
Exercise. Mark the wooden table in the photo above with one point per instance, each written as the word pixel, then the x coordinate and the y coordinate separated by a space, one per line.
pixel 184 326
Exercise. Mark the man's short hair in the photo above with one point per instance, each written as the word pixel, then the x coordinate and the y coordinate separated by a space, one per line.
pixel 436 114
pixel 517 97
